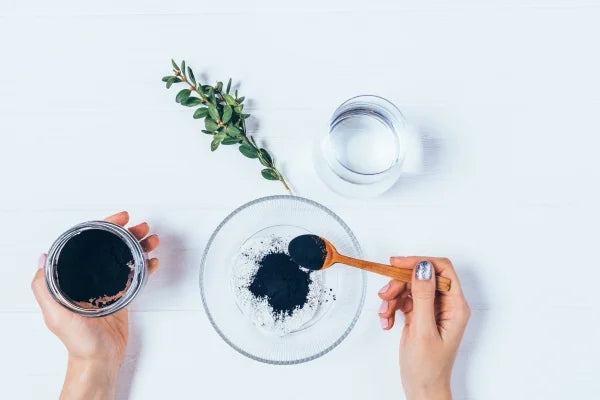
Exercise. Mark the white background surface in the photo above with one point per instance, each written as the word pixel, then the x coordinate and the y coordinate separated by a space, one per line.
pixel 505 94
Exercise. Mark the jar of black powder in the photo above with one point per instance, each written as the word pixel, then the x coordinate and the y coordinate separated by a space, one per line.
pixel 95 268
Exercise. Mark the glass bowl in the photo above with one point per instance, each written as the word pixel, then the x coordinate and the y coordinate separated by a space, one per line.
pixel 363 153
pixel 281 216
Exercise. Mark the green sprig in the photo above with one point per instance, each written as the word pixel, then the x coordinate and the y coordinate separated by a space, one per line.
pixel 223 115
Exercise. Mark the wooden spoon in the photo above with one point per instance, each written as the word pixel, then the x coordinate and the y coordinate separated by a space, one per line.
pixel 317 253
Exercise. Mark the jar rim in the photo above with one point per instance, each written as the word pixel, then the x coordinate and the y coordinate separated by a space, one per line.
pixel 139 269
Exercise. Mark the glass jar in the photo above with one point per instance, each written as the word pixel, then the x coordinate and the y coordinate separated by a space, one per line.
pixel 139 269
pixel 363 152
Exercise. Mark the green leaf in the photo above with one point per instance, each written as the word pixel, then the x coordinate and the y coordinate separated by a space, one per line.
pixel 227 112
pixel 232 131
pixel 172 80
pixel 214 113
pixel 207 132
pixel 174 64
pixel 266 159
pixel 245 116
pixel 210 125
pixel 229 140
pixel 166 78
pixel 219 86
pixel 248 151
pixel 230 100
pixel 217 140
pixel 270 174
pixel 238 109
pixel 241 99
pixel 228 85
pixel 183 67
pixel 200 113
pixel 215 143
pixel 191 101
pixel 211 95
pixel 191 74
pixel 183 95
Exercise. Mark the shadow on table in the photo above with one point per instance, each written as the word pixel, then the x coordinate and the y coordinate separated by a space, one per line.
pixel 426 157
pixel 174 263
pixel 171 273
pixel 470 280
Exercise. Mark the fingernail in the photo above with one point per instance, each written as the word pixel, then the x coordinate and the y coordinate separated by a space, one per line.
pixel 42 261
pixel 423 271
pixel 383 307
pixel 384 289
pixel 384 322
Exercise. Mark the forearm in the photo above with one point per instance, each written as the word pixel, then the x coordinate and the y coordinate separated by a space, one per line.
pixel 438 393
pixel 90 380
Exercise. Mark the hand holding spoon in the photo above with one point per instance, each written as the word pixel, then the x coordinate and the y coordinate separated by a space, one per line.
pixel 317 253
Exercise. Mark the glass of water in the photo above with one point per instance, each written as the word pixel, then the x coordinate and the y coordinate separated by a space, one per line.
pixel 363 152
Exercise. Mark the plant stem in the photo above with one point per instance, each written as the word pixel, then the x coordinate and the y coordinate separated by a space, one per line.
pixel 193 87
pixel 246 139
pixel 285 185
pixel 264 161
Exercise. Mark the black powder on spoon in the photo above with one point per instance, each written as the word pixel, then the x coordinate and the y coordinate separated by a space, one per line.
pixel 308 251
pixel 95 267
pixel 282 282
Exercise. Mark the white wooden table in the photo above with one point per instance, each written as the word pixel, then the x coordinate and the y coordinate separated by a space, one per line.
pixel 506 95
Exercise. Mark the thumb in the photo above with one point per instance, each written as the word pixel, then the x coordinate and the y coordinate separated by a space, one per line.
pixel 51 310
pixel 423 297
pixel 38 286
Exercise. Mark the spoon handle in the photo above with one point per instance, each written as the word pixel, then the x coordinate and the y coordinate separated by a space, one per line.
pixel 401 274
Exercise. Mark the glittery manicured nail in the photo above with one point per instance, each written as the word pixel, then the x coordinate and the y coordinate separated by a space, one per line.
pixel 384 289
pixel 383 307
pixel 384 322
pixel 41 261
pixel 423 271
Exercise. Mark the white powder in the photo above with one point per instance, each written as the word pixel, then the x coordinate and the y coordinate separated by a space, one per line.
pixel 258 310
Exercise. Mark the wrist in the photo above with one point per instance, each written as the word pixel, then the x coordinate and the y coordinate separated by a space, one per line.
pixel 90 379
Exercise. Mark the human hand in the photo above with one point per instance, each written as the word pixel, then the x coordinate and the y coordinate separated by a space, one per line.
pixel 96 346
pixel 433 325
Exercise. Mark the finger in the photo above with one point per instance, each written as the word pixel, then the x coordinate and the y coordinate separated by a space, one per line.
pixel 443 267
pixel 40 291
pixel 423 298
pixel 150 243
pixel 386 323
pixel 121 218
pixel 140 231
pixel 388 307
pixel 42 260
pixel 393 289
pixel 405 303
pixel 152 265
